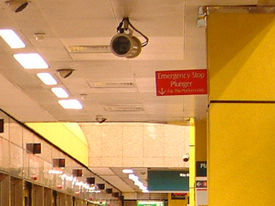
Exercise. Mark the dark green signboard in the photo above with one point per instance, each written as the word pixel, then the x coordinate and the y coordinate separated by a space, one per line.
pixel 201 168
pixel 168 181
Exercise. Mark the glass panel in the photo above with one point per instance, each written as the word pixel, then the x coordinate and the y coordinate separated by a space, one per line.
pixel 16 160
pixel 16 133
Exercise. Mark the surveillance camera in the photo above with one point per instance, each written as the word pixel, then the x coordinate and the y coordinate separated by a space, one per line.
pixel 17 5
pixel 64 73
pixel 125 45
pixel 100 119
pixel 185 158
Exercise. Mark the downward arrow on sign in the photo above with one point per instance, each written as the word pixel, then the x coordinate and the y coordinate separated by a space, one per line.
pixel 162 91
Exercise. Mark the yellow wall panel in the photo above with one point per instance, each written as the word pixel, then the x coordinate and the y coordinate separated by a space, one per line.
pixel 67 136
pixel 241 154
pixel 201 137
pixel 241 56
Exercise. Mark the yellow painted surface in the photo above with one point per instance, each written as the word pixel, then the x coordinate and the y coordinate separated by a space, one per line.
pixel 176 202
pixel 181 123
pixel 67 136
pixel 192 164
pixel 201 137
pixel 241 154
pixel 241 56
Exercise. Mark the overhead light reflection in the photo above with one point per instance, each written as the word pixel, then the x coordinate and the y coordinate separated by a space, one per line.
pixel 55 172
pixel 31 61
pixel 11 38
pixel 127 171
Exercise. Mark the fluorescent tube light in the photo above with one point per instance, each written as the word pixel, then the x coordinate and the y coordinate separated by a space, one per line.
pixel 70 104
pixel 60 92
pixel 47 78
pixel 31 61
pixel 127 171
pixel 56 172
pixel 11 38
pixel 133 177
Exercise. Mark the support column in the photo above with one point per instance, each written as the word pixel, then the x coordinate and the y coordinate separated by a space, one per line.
pixel 241 146
pixel 192 163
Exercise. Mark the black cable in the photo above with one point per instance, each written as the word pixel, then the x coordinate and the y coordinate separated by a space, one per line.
pixel 145 37
pixel 121 30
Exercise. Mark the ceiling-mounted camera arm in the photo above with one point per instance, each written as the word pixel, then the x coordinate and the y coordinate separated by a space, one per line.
pixel 124 25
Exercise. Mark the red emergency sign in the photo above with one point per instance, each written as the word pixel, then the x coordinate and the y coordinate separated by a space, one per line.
pixel 181 82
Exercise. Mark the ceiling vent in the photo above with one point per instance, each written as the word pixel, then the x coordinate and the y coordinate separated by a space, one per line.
pixel 124 84
pixel 124 108
pixel 89 49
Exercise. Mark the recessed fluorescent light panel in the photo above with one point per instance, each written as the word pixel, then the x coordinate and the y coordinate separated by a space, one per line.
pixel 11 38
pixel 60 92
pixel 127 171
pixel 70 104
pixel 47 78
pixel 31 61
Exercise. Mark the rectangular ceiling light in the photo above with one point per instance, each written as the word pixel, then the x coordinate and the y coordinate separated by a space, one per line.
pixel 70 104
pixel 31 61
pixel 60 92
pixel 12 39
pixel 47 78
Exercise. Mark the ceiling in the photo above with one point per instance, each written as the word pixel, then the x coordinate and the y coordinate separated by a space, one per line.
pixel 175 43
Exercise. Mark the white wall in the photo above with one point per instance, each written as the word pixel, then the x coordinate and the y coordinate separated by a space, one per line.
pixel 136 144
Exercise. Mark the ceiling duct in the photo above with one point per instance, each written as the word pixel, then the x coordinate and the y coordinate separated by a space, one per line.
pixel 113 84
pixel 124 108
pixel 89 49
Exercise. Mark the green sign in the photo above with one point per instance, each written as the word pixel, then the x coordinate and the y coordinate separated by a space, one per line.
pixel 168 181
pixel 150 203
pixel 201 168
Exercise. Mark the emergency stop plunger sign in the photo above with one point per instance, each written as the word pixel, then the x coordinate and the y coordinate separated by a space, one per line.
pixel 181 82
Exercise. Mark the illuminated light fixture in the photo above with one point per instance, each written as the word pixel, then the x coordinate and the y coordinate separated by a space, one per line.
pixel 47 78
pixel 145 191
pixel 12 39
pixel 184 174
pixel 55 172
pixel 142 187
pixel 138 183
pixel 70 104
pixel 133 177
pixel 60 92
pixel 31 60
pixel 127 171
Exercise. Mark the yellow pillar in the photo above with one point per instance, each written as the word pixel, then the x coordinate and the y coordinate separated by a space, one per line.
pixel 201 137
pixel 241 144
pixel 192 164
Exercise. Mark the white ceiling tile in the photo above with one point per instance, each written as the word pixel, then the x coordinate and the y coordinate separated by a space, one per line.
pixel 102 171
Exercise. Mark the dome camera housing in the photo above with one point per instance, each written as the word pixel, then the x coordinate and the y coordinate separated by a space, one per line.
pixel 125 45
pixel 185 158
pixel 65 73
pixel 17 5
